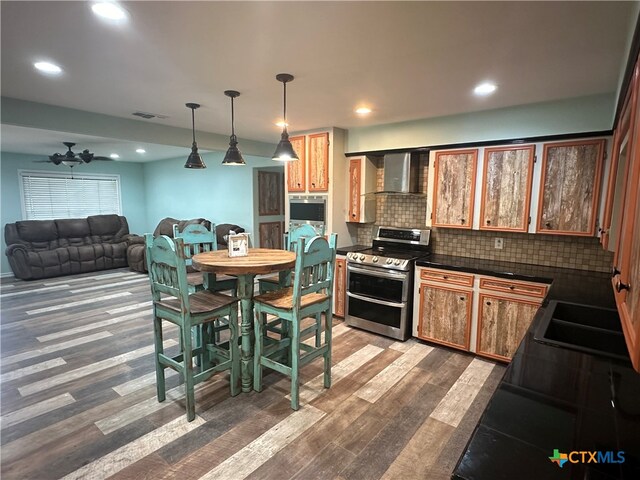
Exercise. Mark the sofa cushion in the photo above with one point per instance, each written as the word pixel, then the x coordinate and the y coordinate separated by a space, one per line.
pixel 37 231
pixel 165 227
pixel 107 228
pixel 73 231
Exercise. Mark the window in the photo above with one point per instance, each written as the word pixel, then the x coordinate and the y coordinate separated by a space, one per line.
pixel 47 195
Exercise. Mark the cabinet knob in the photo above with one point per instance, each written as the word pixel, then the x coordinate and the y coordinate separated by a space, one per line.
pixel 298 183
pixel 511 287
pixel 313 184
pixel 548 224
pixel 445 277
pixel 489 303
pixel 462 220
pixel 622 286
pixel 614 272
pixel 462 298
pixel 488 222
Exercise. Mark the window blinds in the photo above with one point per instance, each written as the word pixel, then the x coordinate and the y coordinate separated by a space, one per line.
pixel 48 195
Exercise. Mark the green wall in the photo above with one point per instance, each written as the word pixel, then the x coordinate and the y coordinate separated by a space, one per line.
pixel 131 185
pixel 583 114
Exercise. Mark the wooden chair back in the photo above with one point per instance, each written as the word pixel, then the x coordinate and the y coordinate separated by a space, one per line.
pixel 315 265
pixel 196 238
pixel 167 269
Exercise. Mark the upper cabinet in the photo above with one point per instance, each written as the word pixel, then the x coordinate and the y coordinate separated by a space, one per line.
pixel 506 188
pixel 362 180
pixel 454 188
pixel 318 162
pixel 569 187
pixel 296 170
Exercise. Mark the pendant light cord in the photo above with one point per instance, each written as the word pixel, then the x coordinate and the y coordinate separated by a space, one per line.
pixel 233 130
pixel 193 124
pixel 285 106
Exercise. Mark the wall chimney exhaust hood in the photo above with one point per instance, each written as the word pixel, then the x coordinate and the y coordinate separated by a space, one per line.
pixel 401 174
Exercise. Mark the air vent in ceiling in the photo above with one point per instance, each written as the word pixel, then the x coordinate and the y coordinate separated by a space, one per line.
pixel 149 116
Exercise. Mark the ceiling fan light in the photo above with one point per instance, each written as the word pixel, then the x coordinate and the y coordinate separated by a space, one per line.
pixel 194 160
pixel 284 151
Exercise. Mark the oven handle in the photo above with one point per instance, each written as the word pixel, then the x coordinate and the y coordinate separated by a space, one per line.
pixel 375 300
pixel 375 272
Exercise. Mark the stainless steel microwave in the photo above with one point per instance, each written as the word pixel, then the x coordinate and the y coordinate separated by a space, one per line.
pixel 309 210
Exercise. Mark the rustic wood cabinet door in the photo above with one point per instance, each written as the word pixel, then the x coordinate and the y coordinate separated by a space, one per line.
pixel 445 315
pixel 569 187
pixel 454 186
pixel 340 287
pixel 355 166
pixel 319 162
pixel 502 323
pixel 296 170
pixel 506 188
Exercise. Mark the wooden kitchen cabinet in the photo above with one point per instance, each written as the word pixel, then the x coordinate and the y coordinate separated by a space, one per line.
pixel 454 187
pixel 569 187
pixel 340 286
pixel 318 160
pixel 506 188
pixel 296 170
pixel 362 181
pixel 444 313
pixel 502 324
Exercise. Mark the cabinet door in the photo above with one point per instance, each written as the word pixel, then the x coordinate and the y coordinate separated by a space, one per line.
pixel 319 162
pixel 506 188
pixel 454 186
pixel 296 171
pixel 569 187
pixel 502 323
pixel 340 293
pixel 355 168
pixel 445 315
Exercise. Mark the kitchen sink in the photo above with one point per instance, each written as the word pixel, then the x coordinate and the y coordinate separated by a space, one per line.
pixel 585 328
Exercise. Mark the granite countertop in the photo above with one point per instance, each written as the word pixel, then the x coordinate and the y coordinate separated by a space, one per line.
pixel 552 397
pixel 352 248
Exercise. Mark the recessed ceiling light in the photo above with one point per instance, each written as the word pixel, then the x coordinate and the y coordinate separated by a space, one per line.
pixel 363 110
pixel 48 68
pixel 114 155
pixel 109 11
pixel 140 150
pixel 486 88
pixel 281 124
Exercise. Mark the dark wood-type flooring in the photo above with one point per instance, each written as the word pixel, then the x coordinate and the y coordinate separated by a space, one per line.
pixel 78 399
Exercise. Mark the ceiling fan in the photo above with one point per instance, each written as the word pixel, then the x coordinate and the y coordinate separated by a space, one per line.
pixel 71 159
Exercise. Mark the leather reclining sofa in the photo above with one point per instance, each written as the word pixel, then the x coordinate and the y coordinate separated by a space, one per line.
pixel 49 248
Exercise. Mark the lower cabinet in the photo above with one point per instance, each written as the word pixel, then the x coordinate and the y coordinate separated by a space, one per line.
pixel 445 315
pixel 340 286
pixel 502 323
pixel 476 313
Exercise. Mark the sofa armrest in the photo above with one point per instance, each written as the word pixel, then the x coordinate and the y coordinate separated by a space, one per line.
pixel 18 256
pixel 133 239
pixel 16 249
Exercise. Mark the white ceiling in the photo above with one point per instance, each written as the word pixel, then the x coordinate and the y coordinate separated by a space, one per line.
pixel 408 60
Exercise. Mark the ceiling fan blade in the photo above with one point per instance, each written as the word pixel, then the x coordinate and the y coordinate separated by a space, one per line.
pixel 102 158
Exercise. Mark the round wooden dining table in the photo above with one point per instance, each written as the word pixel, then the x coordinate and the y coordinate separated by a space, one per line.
pixel 258 261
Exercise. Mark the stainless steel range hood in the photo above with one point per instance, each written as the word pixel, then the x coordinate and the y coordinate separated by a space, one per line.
pixel 401 173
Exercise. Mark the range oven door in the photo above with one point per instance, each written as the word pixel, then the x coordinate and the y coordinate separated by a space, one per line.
pixel 378 300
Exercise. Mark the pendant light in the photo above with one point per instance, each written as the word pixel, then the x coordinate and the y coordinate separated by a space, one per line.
pixel 233 156
pixel 284 151
pixel 194 160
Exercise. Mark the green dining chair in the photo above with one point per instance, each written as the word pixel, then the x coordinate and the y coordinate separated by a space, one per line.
pixel 175 303
pixel 309 296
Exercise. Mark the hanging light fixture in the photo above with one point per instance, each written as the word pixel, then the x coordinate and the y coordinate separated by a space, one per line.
pixel 284 151
pixel 194 160
pixel 233 156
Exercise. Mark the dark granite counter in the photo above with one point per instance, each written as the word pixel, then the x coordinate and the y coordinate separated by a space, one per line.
pixel 554 398
pixel 352 248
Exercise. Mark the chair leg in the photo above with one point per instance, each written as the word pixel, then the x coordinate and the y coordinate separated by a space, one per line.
pixel 295 364
pixel 318 328
pixel 234 351
pixel 258 328
pixel 328 325
pixel 187 358
pixel 157 335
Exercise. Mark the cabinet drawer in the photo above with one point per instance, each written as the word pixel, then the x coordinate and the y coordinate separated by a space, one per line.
pixel 517 288
pixel 447 276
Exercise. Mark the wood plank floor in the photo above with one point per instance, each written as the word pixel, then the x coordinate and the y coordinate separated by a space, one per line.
pixel 78 399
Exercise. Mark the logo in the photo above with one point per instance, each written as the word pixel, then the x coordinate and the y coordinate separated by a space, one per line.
pixel 586 457
pixel 559 458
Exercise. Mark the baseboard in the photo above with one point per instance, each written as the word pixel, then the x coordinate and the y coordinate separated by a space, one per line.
pixel 6 275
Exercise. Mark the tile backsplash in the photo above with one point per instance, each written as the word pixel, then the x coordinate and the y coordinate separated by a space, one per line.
pixel 581 253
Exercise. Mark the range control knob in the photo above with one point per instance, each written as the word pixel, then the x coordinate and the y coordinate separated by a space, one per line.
pixel 389 261
pixel 396 262
pixel 374 259
pixel 362 257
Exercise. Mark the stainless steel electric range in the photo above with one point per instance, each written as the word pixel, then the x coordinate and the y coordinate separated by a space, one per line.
pixel 380 281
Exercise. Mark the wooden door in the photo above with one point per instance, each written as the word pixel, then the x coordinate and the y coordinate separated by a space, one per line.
pixel 506 188
pixel 355 170
pixel 445 315
pixel 271 234
pixel 319 162
pixel 340 292
pixel 569 187
pixel 454 187
pixel 296 170
pixel 502 324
